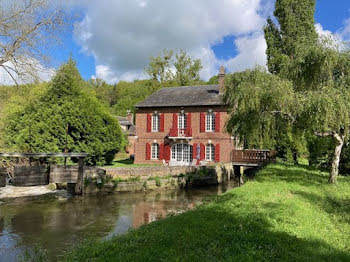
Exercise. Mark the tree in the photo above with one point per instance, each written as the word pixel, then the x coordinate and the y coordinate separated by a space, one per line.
pixel 159 66
pixel 181 70
pixel 104 92
pixel 187 69
pixel 326 114
pixel 262 107
pixel 65 115
pixel 27 27
pixel 289 43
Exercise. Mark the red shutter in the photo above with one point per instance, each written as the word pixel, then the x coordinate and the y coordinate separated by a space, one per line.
pixel 167 152
pixel 217 122
pixel 194 151
pixel 161 151
pixel 189 125
pixel 149 123
pixel 202 122
pixel 148 151
pixel 202 153
pixel 175 120
pixel 161 123
pixel 217 153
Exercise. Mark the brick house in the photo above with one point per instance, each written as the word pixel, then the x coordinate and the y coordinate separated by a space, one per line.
pixel 183 125
pixel 128 127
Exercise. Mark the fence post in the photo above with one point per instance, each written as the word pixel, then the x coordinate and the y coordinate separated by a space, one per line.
pixel 80 182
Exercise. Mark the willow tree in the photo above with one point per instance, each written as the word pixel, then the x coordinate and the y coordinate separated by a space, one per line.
pixel 326 113
pixel 262 107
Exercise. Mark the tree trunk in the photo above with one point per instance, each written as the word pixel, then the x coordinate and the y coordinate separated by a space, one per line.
pixel 336 158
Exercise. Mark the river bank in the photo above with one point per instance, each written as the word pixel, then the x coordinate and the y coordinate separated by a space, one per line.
pixel 287 214
pixel 57 226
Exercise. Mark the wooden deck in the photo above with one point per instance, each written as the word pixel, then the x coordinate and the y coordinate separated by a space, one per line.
pixel 252 158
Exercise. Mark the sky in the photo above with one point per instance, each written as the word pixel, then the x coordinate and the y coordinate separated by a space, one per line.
pixel 113 39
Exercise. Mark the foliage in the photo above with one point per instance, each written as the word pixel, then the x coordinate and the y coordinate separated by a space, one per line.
pixel 261 107
pixel 187 69
pixel 271 218
pixel 65 115
pixel 290 42
pixel 161 68
pixel 104 92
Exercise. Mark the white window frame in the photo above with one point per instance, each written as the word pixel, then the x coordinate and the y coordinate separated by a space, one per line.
pixel 155 122
pixel 182 153
pixel 209 152
pixel 210 122
pixel 182 121
pixel 155 151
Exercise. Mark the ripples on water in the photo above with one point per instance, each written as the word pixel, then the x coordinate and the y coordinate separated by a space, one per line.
pixel 59 225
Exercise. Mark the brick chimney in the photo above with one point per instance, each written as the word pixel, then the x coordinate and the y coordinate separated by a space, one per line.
pixel 130 117
pixel 222 80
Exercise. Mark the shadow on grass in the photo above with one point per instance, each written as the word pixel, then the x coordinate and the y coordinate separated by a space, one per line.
pixel 302 174
pixel 127 161
pixel 209 234
pixel 330 204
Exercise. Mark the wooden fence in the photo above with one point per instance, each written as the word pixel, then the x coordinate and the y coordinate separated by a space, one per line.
pixel 30 176
pixel 257 157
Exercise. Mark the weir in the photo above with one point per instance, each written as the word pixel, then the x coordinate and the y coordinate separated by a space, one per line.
pixel 37 175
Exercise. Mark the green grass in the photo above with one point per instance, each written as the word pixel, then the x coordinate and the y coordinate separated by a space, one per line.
pixel 127 163
pixel 288 213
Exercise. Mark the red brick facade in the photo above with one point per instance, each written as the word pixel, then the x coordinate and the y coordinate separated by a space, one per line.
pixel 195 134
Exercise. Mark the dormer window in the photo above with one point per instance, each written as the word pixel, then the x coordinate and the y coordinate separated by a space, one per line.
pixel 210 122
pixel 155 122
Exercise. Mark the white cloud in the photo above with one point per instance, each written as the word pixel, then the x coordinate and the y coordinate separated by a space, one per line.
pixel 122 35
pixel 251 52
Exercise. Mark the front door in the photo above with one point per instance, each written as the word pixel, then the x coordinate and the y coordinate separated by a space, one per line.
pixel 181 154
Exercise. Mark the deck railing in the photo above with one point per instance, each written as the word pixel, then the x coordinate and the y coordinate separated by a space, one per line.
pixel 253 156
pixel 180 132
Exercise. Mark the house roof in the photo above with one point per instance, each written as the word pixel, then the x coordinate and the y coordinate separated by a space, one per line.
pixel 123 121
pixel 184 96
pixel 130 127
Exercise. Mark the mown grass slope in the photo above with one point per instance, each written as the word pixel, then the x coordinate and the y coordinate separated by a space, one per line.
pixel 287 213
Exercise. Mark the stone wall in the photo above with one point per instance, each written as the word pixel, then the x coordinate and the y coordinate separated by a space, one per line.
pixel 147 171
pixel 223 171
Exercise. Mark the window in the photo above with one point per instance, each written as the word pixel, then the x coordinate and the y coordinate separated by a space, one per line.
pixel 210 122
pixel 182 123
pixel 182 153
pixel 155 151
pixel 210 152
pixel 155 122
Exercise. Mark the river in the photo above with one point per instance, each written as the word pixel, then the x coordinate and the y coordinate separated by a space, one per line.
pixel 59 225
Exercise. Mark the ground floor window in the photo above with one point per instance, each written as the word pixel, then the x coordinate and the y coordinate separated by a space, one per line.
pixel 155 151
pixel 181 153
pixel 210 152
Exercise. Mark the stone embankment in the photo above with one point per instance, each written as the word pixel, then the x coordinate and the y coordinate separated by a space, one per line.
pixel 134 179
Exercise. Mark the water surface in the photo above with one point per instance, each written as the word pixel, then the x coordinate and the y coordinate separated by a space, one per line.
pixel 57 226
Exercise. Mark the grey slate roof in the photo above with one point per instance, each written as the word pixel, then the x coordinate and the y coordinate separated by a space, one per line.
pixel 184 96
pixel 130 127
pixel 123 121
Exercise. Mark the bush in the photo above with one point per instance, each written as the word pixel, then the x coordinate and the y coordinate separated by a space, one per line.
pixel 65 115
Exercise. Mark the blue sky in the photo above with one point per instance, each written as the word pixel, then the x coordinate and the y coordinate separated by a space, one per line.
pixel 99 40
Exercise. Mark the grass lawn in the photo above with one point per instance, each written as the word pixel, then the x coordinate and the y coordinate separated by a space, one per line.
pixel 127 162
pixel 287 214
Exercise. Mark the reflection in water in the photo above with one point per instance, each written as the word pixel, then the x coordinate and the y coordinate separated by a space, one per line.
pixel 59 225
